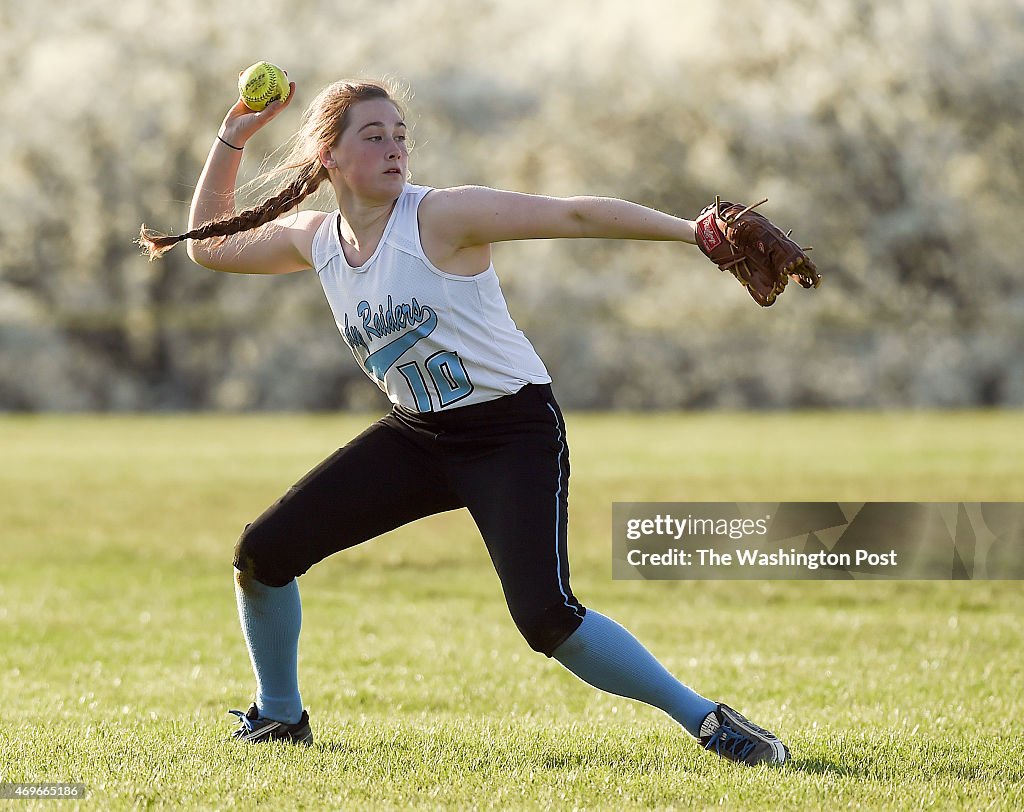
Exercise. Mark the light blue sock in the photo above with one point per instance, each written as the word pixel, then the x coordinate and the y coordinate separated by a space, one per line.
pixel 607 656
pixel 271 618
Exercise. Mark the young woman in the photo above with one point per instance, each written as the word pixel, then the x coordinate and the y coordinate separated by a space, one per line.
pixel 407 272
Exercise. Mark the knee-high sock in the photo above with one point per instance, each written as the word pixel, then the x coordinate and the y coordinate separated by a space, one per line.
pixel 607 656
pixel 271 618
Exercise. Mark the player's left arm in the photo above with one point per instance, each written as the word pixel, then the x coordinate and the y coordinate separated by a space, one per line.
pixel 466 216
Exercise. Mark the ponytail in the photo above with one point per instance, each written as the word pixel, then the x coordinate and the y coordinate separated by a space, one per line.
pixel 323 123
pixel 156 244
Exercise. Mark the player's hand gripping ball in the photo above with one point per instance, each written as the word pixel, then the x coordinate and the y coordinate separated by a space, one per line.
pixel 754 250
pixel 262 83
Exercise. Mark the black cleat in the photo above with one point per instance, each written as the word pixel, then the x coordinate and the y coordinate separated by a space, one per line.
pixel 733 736
pixel 255 729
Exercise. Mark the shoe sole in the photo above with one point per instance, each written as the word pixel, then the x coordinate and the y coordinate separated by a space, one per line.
pixel 305 741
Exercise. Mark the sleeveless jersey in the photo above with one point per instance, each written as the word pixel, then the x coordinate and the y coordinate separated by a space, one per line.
pixel 430 340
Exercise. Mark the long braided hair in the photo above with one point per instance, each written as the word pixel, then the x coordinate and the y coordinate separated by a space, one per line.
pixel 323 122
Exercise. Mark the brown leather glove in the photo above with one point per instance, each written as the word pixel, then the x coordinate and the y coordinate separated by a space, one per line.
pixel 754 250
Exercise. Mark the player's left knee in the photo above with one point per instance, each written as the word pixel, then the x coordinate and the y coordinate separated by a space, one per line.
pixel 546 628
pixel 261 555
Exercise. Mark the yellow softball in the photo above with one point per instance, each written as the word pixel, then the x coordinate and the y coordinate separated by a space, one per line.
pixel 262 83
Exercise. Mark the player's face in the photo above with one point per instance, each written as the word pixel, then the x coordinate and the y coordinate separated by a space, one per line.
pixel 372 157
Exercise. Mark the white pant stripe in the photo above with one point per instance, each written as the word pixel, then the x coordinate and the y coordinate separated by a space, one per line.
pixel 558 512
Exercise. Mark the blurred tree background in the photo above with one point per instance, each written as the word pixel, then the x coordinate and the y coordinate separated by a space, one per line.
pixel 887 135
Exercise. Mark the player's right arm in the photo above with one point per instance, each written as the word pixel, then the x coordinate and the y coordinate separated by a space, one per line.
pixel 284 245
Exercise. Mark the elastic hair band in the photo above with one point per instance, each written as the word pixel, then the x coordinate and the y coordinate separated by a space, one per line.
pixel 225 143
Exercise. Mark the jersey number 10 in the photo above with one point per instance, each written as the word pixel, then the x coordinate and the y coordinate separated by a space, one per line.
pixel 448 375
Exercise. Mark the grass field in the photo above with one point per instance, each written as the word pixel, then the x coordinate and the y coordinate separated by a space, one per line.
pixel 121 651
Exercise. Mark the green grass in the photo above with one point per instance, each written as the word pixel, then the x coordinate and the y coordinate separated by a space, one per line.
pixel 121 653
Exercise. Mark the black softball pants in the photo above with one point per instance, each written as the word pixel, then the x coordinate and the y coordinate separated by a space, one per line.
pixel 505 460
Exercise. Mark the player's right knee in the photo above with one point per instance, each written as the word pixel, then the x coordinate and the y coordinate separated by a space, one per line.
pixel 258 556
pixel 546 628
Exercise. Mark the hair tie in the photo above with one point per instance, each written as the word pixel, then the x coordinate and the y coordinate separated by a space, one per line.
pixel 225 143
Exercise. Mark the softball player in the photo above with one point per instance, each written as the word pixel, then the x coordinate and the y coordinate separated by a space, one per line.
pixel 408 275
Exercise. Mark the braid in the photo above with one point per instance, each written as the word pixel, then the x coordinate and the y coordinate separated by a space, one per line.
pixel 307 182
pixel 323 123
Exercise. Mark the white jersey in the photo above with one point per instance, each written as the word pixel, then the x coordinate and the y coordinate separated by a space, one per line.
pixel 431 340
